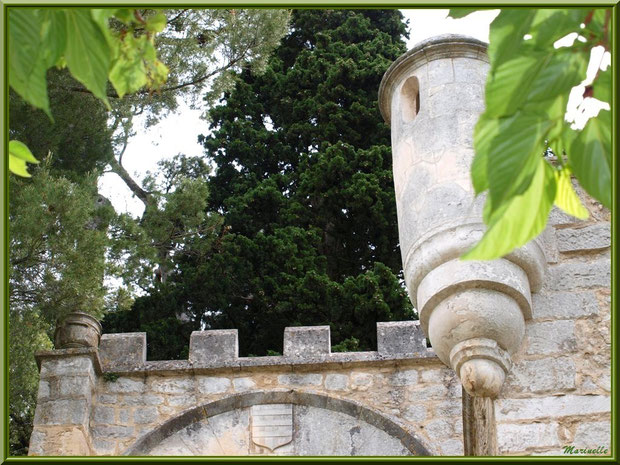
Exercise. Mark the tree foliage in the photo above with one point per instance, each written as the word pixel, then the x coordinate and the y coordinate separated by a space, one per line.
pixel 303 182
pixel 526 98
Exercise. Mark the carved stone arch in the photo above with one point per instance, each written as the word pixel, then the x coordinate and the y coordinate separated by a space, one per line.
pixel 389 425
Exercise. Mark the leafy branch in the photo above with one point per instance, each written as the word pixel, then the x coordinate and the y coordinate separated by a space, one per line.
pixel 526 97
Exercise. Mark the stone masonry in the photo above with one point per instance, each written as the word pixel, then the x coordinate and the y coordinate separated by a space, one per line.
pixel 538 361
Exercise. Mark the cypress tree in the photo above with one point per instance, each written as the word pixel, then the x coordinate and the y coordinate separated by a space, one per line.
pixel 303 181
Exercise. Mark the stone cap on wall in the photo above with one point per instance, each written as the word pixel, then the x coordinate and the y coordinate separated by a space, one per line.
pixel 125 353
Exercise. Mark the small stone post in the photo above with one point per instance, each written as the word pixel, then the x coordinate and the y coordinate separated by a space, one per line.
pixel 473 312
pixel 66 388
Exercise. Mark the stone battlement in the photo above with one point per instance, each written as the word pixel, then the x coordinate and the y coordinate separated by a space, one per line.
pixel 125 353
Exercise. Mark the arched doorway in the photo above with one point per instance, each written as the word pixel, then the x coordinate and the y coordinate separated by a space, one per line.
pixel 280 423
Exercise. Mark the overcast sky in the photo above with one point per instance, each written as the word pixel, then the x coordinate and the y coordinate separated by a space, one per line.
pixel 178 133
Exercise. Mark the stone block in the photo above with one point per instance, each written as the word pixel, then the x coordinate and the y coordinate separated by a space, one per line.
pixel 311 379
pixel 361 381
pixel 592 237
pixel 440 429
pixel 307 341
pixel 400 338
pixel 564 305
pixel 145 399
pixel 106 432
pixel 548 374
pixel 415 413
pixel 123 349
pixel 182 400
pixel 551 337
pixel 67 366
pixel 172 385
pixel 214 346
pixel 573 275
pixel 336 382
pixel 44 389
pixel 452 447
pixel 243 384
pixel 145 415
pixel 63 412
pixel 122 385
pixel 513 438
pixel 212 385
pixel 593 434
pixel 76 386
pixel 404 378
pixel 104 415
pixel 103 447
pixel 107 398
pixel 550 407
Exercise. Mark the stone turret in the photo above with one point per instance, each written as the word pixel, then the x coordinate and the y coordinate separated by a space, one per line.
pixel 474 312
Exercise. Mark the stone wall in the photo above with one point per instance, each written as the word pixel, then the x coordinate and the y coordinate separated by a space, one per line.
pixel 558 392
pixel 401 390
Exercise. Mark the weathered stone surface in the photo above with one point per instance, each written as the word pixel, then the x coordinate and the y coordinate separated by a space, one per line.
pixel 405 378
pixel 564 305
pixel 304 341
pixel 76 386
pixel 63 412
pixel 103 447
pixel 519 438
pixel 551 337
pixel 548 374
pixel 67 366
pixel 125 385
pixel 104 431
pixel 569 276
pixel 400 337
pixel 311 379
pixel 214 345
pixel 243 384
pixel 324 432
pixel 550 407
pixel 44 389
pixel 335 382
pixel 123 349
pixel 592 237
pixel 415 413
pixel 104 415
pixel 144 399
pixel 212 385
pixel 172 385
pixel 593 434
pixel 452 447
pixel 145 415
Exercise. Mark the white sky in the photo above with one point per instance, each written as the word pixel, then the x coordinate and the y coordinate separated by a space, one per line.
pixel 179 132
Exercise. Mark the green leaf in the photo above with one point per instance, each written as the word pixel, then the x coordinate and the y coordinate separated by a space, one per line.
pixel 461 12
pixel 88 53
pixel 20 150
pixel 28 57
pixel 516 147
pixel 549 25
pixel 19 154
pixel 125 15
pixel 590 157
pixel 566 198
pixel 602 86
pixel 509 84
pixel 156 23
pixel 128 74
pixel 522 219
pixel 54 34
pixel 506 33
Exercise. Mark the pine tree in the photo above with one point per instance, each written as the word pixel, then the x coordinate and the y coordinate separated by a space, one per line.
pixel 304 184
